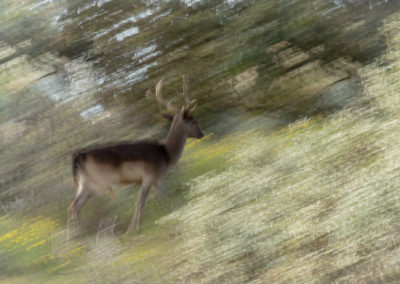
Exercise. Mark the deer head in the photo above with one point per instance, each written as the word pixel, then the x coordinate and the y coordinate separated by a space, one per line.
pixel 183 117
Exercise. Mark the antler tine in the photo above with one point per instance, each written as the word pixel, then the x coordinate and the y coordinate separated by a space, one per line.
pixel 193 107
pixel 189 104
pixel 185 87
pixel 161 100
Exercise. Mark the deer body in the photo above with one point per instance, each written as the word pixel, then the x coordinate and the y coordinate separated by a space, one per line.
pixel 123 164
pixel 95 171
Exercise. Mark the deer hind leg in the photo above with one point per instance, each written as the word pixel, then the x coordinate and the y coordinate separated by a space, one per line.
pixel 83 194
pixel 78 203
pixel 135 222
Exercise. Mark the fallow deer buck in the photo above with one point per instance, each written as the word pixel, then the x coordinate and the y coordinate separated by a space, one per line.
pixel 142 162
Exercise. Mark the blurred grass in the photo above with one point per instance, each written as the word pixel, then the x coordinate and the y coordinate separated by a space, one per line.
pixel 317 201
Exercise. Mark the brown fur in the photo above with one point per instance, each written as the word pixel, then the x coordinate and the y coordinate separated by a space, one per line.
pixel 124 163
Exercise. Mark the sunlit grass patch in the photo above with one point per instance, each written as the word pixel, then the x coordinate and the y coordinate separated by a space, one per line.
pixel 62 256
pixel 29 243
pixel 133 256
pixel 207 154
pixel 30 234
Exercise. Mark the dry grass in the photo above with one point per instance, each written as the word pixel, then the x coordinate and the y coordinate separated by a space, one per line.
pixel 315 202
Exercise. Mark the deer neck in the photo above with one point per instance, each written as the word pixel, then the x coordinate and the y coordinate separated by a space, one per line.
pixel 175 141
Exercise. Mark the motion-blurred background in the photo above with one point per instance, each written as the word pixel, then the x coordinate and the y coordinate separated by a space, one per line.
pixel 296 181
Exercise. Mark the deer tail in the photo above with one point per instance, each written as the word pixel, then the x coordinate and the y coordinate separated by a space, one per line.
pixel 77 164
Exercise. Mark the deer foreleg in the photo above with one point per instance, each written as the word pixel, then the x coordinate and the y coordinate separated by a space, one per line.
pixel 143 194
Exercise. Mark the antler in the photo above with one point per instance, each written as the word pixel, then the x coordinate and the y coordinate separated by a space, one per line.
pixel 190 105
pixel 160 100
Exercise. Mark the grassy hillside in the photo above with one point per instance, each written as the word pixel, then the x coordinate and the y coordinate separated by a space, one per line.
pixel 284 188
pixel 317 201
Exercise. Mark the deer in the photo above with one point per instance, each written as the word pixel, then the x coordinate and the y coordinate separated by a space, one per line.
pixel 145 162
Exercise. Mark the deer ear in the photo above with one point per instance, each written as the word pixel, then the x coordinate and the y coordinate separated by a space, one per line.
pixel 168 116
